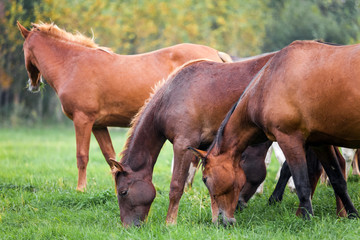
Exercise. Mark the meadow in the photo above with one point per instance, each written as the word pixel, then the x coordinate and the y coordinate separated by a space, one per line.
pixel 38 200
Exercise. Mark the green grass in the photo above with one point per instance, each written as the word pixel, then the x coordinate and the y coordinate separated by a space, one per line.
pixel 38 177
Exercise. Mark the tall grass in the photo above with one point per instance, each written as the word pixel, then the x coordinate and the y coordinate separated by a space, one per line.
pixel 38 177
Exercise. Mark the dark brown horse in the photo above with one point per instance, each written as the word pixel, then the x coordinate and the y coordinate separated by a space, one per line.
pixel 304 96
pixel 186 110
pixel 98 88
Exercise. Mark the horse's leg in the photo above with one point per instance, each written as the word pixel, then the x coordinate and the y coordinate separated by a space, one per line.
pixel 284 177
pixel 324 178
pixel 349 155
pixel 293 148
pixel 103 138
pixel 260 189
pixel 328 159
pixel 182 160
pixel 83 126
pixel 281 158
pixel 314 171
pixel 355 163
pixel 191 173
pixel 340 209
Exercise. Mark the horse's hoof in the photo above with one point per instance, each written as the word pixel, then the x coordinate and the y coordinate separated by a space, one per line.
pixel 241 205
pixel 170 222
pixel 227 222
pixel 273 200
pixel 353 216
pixel 80 189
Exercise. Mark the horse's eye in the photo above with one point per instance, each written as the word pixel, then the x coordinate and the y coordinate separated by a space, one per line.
pixel 204 179
pixel 123 193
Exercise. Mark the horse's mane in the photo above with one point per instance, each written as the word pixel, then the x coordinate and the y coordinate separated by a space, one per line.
pixel 155 91
pixel 220 132
pixel 328 43
pixel 219 135
pixel 54 31
pixel 244 59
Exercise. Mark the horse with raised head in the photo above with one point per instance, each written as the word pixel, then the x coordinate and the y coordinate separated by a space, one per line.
pixel 187 110
pixel 289 102
pixel 98 88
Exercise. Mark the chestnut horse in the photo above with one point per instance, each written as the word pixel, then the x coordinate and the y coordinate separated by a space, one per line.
pixel 187 110
pixel 98 88
pixel 289 102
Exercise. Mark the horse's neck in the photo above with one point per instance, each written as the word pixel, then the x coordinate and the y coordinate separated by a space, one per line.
pixel 53 58
pixel 238 132
pixel 143 146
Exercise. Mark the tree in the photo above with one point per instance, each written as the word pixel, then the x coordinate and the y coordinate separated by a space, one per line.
pixel 11 62
pixel 331 20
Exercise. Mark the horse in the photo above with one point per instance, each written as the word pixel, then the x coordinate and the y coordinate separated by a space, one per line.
pixel 304 96
pixel 186 110
pixel 96 87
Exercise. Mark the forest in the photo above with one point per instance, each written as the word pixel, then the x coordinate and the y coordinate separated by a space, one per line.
pixel 240 28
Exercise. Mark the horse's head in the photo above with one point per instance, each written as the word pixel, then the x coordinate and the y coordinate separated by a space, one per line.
pixel 34 74
pixel 135 194
pixel 224 179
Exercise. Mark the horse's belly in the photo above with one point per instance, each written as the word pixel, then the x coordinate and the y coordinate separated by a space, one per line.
pixel 113 121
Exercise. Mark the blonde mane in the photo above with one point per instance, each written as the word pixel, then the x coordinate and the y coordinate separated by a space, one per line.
pixel 54 31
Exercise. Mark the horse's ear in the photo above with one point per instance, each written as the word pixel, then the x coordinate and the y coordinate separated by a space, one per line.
pixel 198 153
pixel 23 30
pixel 115 165
pixel 34 25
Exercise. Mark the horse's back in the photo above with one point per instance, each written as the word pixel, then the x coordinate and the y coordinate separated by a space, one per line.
pixel 314 87
pixel 206 91
pixel 181 53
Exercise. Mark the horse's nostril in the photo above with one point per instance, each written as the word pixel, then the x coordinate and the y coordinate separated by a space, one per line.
pixel 204 179
pixel 137 223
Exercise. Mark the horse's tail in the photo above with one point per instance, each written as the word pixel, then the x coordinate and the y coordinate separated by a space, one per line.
pixel 225 57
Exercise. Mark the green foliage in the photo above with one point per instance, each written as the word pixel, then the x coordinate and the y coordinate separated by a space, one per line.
pixel 142 26
pixel 332 21
pixel 128 27
pixel 240 28
pixel 38 199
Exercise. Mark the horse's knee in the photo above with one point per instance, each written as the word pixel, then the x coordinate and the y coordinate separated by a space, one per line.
pixel 176 191
pixel 82 161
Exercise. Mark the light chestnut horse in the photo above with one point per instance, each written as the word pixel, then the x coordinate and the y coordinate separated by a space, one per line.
pixel 98 88
pixel 304 96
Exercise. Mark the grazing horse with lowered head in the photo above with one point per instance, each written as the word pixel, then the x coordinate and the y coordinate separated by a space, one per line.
pixel 187 110
pixel 96 87
pixel 288 102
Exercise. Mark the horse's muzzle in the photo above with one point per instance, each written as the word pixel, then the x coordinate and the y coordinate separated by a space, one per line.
pixel 226 221
pixel 35 88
